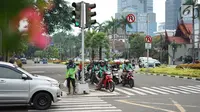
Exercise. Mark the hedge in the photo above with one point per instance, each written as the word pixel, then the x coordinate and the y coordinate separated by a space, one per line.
pixel 192 66
pixel 174 71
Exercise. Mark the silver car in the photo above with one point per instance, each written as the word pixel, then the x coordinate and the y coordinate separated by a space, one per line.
pixel 20 87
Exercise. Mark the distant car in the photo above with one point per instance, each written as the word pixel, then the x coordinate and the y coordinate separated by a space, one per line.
pixel 45 60
pixel 23 60
pixel 36 60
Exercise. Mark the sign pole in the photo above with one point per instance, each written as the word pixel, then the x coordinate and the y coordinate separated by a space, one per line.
pixel 147 49
pixel 82 32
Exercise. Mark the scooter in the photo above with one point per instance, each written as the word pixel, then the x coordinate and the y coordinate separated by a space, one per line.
pixel 108 82
pixel 115 75
pixel 128 79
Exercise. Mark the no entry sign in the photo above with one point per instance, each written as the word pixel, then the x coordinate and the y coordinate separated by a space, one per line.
pixel 130 18
pixel 148 39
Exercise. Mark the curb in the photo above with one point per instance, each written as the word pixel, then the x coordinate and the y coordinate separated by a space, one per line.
pixel 182 77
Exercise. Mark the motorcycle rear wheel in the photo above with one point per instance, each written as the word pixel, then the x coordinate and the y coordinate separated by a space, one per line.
pixel 111 86
pixel 131 83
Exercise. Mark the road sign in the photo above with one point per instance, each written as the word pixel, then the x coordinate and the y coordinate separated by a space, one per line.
pixel 186 11
pixel 147 45
pixel 148 39
pixel 130 18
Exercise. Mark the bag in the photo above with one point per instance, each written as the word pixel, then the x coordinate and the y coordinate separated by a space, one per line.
pixel 65 83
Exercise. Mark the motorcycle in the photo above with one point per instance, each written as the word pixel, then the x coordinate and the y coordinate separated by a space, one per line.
pixel 128 79
pixel 108 82
pixel 115 75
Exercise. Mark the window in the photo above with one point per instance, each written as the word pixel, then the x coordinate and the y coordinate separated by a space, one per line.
pixel 9 73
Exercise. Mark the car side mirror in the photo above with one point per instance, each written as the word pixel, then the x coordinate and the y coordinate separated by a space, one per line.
pixel 24 76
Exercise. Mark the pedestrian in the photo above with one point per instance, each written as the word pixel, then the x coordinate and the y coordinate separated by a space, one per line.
pixel 79 70
pixel 70 76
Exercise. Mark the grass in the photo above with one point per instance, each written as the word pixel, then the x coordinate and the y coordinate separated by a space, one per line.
pixel 174 71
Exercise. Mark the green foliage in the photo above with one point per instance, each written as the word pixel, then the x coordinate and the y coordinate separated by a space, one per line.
pixel 38 53
pixel 96 40
pixel 137 45
pixel 59 17
pixel 70 45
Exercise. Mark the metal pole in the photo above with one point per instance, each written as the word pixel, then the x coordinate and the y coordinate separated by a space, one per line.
pixel 147 49
pixel 193 53
pixel 82 32
pixel 199 35
pixel 1 52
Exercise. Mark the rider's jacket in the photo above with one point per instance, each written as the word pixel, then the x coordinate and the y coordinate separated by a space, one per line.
pixel 102 69
pixel 71 71
pixel 127 67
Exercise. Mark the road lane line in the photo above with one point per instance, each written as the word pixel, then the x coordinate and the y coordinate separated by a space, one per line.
pixel 184 89
pixel 146 106
pixel 155 90
pixel 178 106
pixel 138 92
pixel 121 90
pixel 165 90
pixel 145 91
pixel 175 90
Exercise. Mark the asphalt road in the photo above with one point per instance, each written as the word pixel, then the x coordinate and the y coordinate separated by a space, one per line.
pixel 150 94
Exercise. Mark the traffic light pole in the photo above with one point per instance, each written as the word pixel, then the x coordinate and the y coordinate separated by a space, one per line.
pixel 82 33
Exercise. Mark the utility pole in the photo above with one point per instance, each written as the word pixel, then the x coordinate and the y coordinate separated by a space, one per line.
pixel 147 49
pixel 193 32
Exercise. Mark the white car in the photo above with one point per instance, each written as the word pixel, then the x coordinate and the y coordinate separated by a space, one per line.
pixel 20 87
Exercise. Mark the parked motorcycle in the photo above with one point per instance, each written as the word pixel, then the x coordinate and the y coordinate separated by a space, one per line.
pixel 108 82
pixel 128 79
pixel 115 75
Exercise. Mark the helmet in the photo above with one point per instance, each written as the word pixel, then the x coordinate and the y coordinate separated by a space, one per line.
pixel 106 60
pixel 126 61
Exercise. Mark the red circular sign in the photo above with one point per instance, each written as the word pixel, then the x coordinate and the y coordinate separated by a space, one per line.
pixel 148 39
pixel 130 18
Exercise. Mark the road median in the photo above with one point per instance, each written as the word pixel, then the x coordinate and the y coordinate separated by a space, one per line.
pixel 173 72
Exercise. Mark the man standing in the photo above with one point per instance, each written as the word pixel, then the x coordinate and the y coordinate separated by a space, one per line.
pixel 70 76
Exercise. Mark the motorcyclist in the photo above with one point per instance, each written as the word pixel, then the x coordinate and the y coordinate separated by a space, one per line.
pixel 125 67
pixel 70 75
pixel 102 69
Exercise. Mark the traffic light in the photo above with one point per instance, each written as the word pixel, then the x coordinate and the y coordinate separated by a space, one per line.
pixel 77 14
pixel 90 14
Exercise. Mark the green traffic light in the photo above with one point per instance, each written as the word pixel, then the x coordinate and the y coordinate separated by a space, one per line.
pixel 77 24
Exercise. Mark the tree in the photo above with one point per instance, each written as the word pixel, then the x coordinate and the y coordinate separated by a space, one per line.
pixel 137 45
pixel 59 17
pixel 124 22
pixel 101 41
pixel 70 45
pixel 11 40
pixel 88 42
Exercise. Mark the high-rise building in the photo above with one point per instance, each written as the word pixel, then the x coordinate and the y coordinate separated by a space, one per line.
pixel 140 6
pixel 161 26
pixel 172 13
pixel 143 10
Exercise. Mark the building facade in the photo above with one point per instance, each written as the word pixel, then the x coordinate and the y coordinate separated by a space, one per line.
pixel 172 13
pixel 161 26
pixel 143 11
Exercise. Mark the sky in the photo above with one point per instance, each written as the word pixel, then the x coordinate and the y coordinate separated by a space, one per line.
pixel 105 9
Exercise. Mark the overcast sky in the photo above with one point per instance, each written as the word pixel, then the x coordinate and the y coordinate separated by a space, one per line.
pixel 107 8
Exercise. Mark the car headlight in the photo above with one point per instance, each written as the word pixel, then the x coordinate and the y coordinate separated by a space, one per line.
pixel 54 83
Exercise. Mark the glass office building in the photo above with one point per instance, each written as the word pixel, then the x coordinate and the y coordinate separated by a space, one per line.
pixel 143 10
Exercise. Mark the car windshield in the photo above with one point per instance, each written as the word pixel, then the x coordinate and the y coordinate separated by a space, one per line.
pixel 22 70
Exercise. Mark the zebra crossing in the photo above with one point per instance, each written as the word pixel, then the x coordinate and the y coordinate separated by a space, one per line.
pixel 160 90
pixel 164 90
pixel 81 104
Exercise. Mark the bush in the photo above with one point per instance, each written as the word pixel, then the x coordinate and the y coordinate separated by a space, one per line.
pixel 192 66
pixel 175 71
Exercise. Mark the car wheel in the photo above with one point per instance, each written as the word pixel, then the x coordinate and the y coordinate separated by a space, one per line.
pixel 42 101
